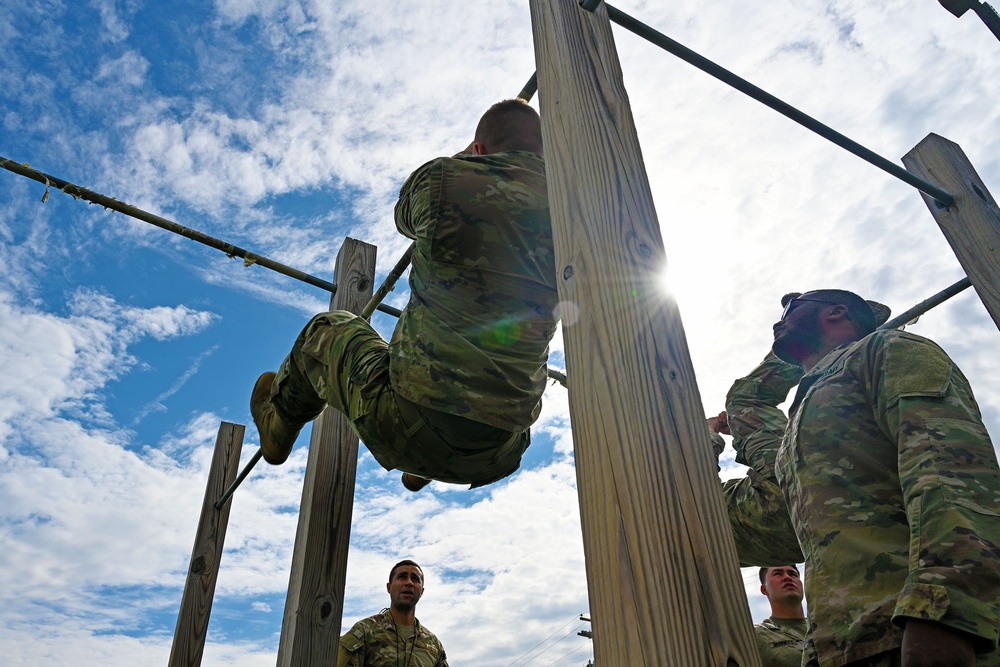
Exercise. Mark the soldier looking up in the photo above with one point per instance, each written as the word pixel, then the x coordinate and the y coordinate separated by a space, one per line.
pixel 394 636
pixel 782 637
pixel 891 485
pixel 453 394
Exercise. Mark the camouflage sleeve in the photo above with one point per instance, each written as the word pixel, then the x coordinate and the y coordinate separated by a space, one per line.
pixel 950 481
pixel 350 653
pixel 718 446
pixel 760 523
pixel 346 658
pixel 413 207
pixel 443 660
pixel 755 505
pixel 754 417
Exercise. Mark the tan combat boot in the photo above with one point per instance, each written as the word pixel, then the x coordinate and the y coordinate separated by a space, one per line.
pixel 276 435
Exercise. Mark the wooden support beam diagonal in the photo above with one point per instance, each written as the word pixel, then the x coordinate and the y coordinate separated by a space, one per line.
pixel 972 223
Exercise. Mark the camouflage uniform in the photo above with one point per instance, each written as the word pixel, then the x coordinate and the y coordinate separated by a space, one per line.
pixel 473 340
pixel 781 641
pixel 452 395
pixel 893 486
pixel 376 642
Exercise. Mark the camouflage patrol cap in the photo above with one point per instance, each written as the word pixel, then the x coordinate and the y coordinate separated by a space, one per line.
pixel 879 311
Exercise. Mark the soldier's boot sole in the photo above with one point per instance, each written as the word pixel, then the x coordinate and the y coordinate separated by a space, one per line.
pixel 414 482
pixel 277 436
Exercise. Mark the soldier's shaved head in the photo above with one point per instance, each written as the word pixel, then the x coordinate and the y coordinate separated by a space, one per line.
pixel 510 125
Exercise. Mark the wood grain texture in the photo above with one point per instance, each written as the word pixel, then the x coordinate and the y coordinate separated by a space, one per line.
pixel 203 572
pixel 972 223
pixel 664 582
pixel 310 630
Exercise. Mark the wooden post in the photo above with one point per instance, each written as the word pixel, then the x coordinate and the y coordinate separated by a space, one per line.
pixel 664 581
pixel 203 572
pixel 310 630
pixel 972 223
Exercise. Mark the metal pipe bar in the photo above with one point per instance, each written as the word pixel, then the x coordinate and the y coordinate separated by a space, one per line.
pixel 927 304
pixel 231 250
pixel 389 283
pixel 530 88
pixel 239 479
pixel 704 64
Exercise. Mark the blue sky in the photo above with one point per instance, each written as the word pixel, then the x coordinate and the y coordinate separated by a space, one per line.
pixel 283 127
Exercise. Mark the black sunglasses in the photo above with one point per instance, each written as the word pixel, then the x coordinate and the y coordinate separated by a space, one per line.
pixel 790 304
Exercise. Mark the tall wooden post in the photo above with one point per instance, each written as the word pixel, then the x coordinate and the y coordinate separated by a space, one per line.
pixel 310 630
pixel 203 572
pixel 972 223
pixel 664 581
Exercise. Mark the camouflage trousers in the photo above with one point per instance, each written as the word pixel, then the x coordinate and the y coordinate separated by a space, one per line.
pixel 341 361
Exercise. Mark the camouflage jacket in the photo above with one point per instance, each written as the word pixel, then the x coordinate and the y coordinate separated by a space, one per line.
pixel 473 339
pixel 781 641
pixel 893 489
pixel 374 642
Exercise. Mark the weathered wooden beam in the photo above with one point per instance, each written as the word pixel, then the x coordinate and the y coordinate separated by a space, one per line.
pixel 972 223
pixel 310 630
pixel 203 572
pixel 664 581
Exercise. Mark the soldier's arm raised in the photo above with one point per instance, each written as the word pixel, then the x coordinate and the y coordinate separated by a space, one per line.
pixel 755 505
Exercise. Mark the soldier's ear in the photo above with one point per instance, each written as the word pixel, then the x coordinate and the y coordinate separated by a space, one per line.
pixel 763 590
pixel 838 312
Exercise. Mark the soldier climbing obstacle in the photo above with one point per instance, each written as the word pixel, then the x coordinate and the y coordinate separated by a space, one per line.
pixel 452 396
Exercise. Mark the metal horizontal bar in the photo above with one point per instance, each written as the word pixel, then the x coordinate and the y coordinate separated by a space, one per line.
pixel 704 64
pixel 231 250
pixel 927 304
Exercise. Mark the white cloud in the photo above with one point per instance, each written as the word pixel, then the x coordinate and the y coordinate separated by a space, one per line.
pixel 128 69
pixel 114 28
pixel 62 362
pixel 310 101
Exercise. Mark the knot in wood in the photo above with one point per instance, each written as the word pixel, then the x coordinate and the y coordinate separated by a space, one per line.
pixel 567 273
pixel 198 566
pixel 979 193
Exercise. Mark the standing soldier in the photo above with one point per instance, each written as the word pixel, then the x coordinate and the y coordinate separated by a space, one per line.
pixel 782 637
pixel 394 636
pixel 891 483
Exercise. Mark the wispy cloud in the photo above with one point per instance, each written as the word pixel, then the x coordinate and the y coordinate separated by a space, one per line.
pixel 157 403
pixel 284 127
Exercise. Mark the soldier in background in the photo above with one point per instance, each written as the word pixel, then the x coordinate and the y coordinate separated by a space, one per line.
pixel 782 637
pixel 453 394
pixel 394 636
pixel 891 483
